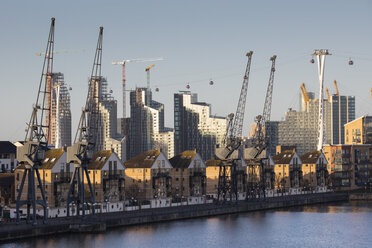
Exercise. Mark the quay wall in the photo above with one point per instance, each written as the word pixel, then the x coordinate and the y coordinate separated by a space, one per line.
pixel 361 196
pixel 100 222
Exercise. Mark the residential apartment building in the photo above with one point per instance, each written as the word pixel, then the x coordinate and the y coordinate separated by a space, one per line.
pixel 106 174
pixel 148 176
pixel 8 160
pixel 195 127
pixel 349 166
pixel 60 113
pixel 288 171
pixel 55 174
pixel 300 128
pixel 146 125
pixel 188 175
pixel 359 131
pixel 314 170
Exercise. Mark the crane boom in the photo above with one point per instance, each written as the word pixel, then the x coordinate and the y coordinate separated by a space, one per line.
pixel 269 93
pixel 267 108
pixel 237 128
pixel 262 136
pixel 235 123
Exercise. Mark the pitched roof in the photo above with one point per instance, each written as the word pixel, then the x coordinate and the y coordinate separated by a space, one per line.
pixel 144 160
pixel 50 158
pixel 7 147
pixel 310 157
pixel 284 157
pixel 213 162
pixel 99 159
pixel 183 159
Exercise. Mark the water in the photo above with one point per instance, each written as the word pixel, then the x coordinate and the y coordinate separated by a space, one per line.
pixel 331 225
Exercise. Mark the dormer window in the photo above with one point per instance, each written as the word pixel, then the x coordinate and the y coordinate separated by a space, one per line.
pixel 46 160
pixel 97 159
pixel 53 159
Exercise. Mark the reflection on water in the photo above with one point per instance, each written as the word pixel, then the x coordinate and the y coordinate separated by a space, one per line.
pixel 328 225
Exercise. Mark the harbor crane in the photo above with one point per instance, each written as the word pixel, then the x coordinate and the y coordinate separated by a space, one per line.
pixel 262 139
pixel 227 184
pixel 123 81
pixel 80 153
pixel 31 155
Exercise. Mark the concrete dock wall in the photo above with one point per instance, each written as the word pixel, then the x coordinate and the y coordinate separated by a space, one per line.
pixel 99 222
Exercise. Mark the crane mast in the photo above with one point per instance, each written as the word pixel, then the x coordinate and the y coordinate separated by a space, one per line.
pixel 80 153
pixel 31 154
pixel 228 171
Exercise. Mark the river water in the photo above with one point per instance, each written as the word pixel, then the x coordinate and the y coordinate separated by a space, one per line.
pixel 329 225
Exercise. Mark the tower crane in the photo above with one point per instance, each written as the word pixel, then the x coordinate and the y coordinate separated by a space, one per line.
pixel 228 184
pixel 80 153
pixel 31 154
pixel 123 81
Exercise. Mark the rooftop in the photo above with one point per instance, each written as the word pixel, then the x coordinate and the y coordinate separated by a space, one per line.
pixel 183 159
pixel 284 157
pixel 99 159
pixel 7 147
pixel 310 157
pixel 144 160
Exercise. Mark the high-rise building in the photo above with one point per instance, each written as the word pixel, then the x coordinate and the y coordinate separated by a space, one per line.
pixel 195 127
pixel 106 133
pixel 145 123
pixel 343 111
pixel 165 142
pixel 60 114
pixel 300 128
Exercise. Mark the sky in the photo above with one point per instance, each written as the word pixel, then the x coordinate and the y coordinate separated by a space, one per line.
pixel 200 41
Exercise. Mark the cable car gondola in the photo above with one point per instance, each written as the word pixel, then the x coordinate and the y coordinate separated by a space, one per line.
pixel 211 82
pixel 188 86
pixel 157 89
pixel 351 62
pixel 70 88
pixel 312 61
pixel 111 91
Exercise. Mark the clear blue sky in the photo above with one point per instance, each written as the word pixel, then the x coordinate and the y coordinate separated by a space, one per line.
pixel 198 39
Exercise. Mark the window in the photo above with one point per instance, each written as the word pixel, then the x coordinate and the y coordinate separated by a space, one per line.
pixel 17 176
